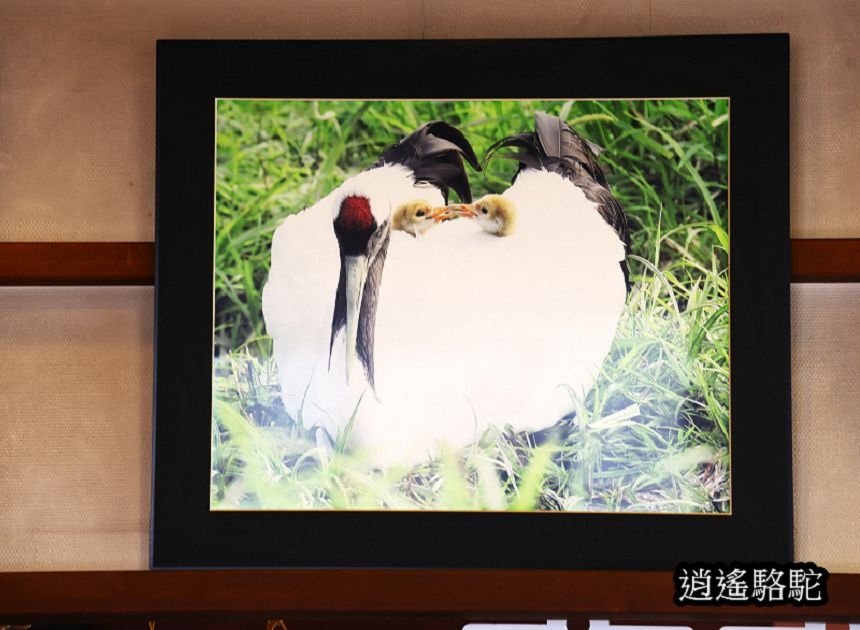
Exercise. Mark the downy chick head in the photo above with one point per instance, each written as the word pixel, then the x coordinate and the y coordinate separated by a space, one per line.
pixel 495 214
pixel 416 217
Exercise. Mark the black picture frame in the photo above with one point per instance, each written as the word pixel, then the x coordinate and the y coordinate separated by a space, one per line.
pixel 752 70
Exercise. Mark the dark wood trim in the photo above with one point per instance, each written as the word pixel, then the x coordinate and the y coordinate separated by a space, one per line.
pixel 66 264
pixel 825 260
pixel 621 596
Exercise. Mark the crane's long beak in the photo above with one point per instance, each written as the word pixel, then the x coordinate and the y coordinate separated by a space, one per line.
pixel 355 272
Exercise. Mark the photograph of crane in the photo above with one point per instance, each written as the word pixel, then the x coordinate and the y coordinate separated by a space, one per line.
pixel 471 305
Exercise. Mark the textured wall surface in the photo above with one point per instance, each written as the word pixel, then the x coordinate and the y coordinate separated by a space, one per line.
pixel 77 79
pixel 77 163
pixel 826 431
pixel 76 413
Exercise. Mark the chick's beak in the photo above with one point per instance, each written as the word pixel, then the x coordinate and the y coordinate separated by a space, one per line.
pixel 453 211
pixel 438 214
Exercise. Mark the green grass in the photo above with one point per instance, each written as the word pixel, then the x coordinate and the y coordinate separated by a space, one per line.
pixel 653 435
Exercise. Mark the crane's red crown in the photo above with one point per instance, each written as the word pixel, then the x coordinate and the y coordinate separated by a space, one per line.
pixel 355 214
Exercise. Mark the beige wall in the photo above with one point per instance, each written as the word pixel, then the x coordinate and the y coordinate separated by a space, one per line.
pixel 77 107
pixel 76 163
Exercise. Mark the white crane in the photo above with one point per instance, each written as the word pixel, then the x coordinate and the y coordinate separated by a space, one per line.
pixel 551 291
pixel 471 330
pixel 321 299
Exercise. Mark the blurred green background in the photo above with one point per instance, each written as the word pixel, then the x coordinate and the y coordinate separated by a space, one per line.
pixel 654 433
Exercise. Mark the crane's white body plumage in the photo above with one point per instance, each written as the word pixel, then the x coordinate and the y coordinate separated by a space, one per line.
pixel 472 330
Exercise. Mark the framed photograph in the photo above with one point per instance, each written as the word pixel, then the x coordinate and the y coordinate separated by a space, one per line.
pixel 472 303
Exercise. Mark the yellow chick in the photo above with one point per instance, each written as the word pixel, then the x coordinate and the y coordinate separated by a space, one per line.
pixel 495 214
pixel 416 217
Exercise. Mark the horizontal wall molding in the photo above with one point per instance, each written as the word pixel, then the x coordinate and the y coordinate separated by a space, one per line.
pixel 472 594
pixel 825 260
pixel 76 264
pixel 118 264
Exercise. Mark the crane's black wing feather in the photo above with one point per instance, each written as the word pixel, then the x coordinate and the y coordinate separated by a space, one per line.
pixel 569 153
pixel 612 212
pixel 435 153
pixel 554 146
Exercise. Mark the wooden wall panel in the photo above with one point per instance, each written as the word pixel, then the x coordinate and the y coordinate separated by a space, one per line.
pixel 75 407
pixel 452 19
pixel 77 100
pixel 826 399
